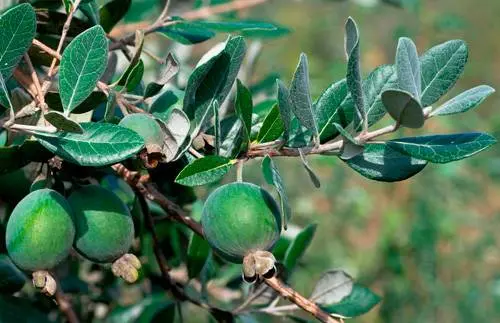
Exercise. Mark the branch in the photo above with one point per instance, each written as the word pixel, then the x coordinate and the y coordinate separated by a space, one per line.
pixel 65 306
pixel 302 302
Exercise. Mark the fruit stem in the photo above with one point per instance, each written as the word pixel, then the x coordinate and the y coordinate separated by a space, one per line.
pixel 239 170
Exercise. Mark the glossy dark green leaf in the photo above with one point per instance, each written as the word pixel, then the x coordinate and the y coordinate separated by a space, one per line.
pixel 298 247
pixel 135 60
pixel 110 107
pixel 353 77
pixel 90 9
pixel 217 135
pixel 213 79
pixel 61 122
pixel 243 108
pixel 231 136
pixel 272 127
pixel 408 67
pixel 169 69
pixel 360 301
pixel 464 101
pixel 135 76
pixel 204 170
pixel 404 108
pixel 382 78
pixel 16 309
pixel 100 144
pixel 153 308
pixel 17 30
pixel 11 278
pixel 197 254
pixel 273 177
pixel 247 28
pixel 285 107
pixel 187 32
pixel 382 163
pixel 82 64
pixel 443 148
pixel 90 103
pixel 441 67
pixel 332 287
pixel 300 96
pixel 112 12
pixel 15 157
pixel 329 109
pixel 166 102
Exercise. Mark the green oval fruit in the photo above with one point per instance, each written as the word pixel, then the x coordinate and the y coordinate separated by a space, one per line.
pixel 40 230
pixel 104 227
pixel 145 126
pixel 240 218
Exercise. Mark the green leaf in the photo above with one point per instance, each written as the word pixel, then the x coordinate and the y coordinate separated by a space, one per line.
pixel 90 103
pixel 298 246
pixel 82 65
pixel 11 278
pixel 134 61
pixel 360 301
pixel 404 108
pixel 285 107
pixel 329 109
pixel 353 76
pixel 100 144
pixel 441 67
pixel 176 130
pixel 382 163
pixel 464 101
pixel 312 175
pixel 186 32
pixel 5 98
pixel 443 148
pixel 112 12
pixel 332 287
pixel 213 79
pixel 166 102
pixel 15 157
pixel 68 4
pixel 273 177
pixel 408 67
pixel 135 76
pixel 61 122
pixel 197 254
pixel 17 30
pixel 231 136
pixel 247 28
pixel 350 146
pixel 243 108
pixel 153 308
pixel 204 170
pixel 272 127
pixel 110 107
pixel 91 11
pixel 217 139
pixel 169 69
pixel 300 96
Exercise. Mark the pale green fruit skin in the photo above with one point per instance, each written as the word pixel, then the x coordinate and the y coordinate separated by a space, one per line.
pixel 40 231
pixel 238 218
pixel 145 126
pixel 104 226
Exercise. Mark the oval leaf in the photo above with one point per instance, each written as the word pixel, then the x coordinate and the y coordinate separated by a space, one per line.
pixel 353 76
pixel 273 177
pixel 62 123
pixel 360 301
pixel 298 246
pixel 204 170
pixel 408 67
pixel 82 65
pixel 443 148
pixel 272 127
pixel 404 108
pixel 382 163
pixel 441 67
pixel 332 287
pixel 100 144
pixel 17 30
pixel 464 101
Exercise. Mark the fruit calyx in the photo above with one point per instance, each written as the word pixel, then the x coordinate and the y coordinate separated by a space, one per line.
pixel 258 265
pixel 43 281
pixel 127 267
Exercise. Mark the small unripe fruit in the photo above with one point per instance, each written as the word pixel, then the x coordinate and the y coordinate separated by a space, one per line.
pixel 240 218
pixel 40 231
pixel 148 128
pixel 104 227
